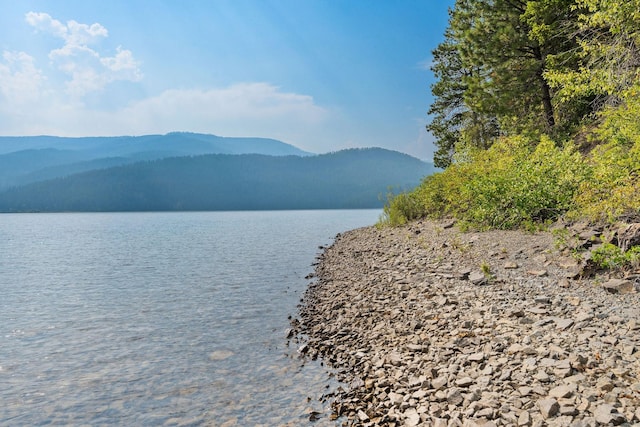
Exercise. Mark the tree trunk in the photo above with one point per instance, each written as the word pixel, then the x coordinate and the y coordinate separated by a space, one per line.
pixel 550 121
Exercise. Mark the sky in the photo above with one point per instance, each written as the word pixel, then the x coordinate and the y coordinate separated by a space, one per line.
pixel 323 75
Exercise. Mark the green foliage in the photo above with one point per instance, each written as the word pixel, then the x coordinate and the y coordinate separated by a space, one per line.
pixel 613 186
pixel 608 36
pixel 501 47
pixel 610 256
pixel 514 183
pixel 400 208
pixel 520 84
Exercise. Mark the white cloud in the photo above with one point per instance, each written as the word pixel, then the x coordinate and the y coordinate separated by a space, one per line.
pixel 245 109
pixel 240 109
pixel 73 33
pixel 32 103
pixel 20 81
pixel 88 70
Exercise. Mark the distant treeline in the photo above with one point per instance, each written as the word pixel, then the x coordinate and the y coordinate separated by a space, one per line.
pixel 357 178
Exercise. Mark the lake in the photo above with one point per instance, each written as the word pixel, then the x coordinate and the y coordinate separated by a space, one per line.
pixel 159 318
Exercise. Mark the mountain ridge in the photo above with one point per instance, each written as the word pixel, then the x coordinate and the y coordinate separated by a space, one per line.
pixel 24 159
pixel 353 178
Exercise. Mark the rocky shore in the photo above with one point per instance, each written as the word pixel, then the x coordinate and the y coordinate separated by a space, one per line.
pixel 430 326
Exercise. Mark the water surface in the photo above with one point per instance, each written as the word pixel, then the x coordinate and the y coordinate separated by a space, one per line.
pixel 158 318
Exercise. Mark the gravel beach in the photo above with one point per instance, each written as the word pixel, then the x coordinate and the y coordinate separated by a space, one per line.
pixel 430 326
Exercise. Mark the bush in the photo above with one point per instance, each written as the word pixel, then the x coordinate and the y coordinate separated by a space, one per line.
pixel 509 185
pixel 613 188
pixel 610 256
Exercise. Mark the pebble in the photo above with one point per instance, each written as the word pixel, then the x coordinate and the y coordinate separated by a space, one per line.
pixel 400 316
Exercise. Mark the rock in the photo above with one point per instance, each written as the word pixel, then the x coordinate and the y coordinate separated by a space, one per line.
pixel 608 415
pixel 476 357
pixel 563 324
pixel 412 418
pixel 568 410
pixel 510 265
pixel 220 355
pixel 619 286
pixel 488 413
pixel 464 382
pixel 542 299
pixel 392 313
pixel 440 382
pixel 440 422
pixel 417 347
pixel 605 384
pixel 562 391
pixel 628 235
pixel 548 407
pixel 524 419
pixel 478 278
pixel 454 397
pixel 538 310
pixel 537 273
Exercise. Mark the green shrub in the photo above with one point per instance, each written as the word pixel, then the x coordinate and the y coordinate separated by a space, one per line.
pixel 612 189
pixel 610 256
pixel 400 209
pixel 509 185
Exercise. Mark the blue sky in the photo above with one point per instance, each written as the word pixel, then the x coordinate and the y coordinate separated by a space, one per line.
pixel 322 75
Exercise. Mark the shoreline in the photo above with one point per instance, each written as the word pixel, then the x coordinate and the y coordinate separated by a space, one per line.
pixel 429 325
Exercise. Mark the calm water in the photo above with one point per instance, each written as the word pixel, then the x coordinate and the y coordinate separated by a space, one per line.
pixel 158 318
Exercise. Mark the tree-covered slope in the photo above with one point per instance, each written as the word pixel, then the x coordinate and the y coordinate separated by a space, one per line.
pixel 33 158
pixel 536 115
pixel 357 178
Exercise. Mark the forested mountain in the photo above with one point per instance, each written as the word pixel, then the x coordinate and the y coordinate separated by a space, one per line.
pixel 33 158
pixel 357 178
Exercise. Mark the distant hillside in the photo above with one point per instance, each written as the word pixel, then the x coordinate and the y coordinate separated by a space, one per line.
pixel 346 179
pixel 32 158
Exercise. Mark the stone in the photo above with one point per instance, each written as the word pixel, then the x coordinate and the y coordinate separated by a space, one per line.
pixel 538 310
pixel 605 384
pixel 564 283
pixel 548 407
pixel 628 235
pixel 524 419
pixel 607 414
pixel 412 418
pixel 478 278
pixel 419 394
pixel 220 355
pixel 390 307
pixel 488 413
pixel 418 348
pixel 619 286
pixel 568 410
pixel 510 265
pixel 542 299
pixel 464 382
pixel 562 391
pixel 440 422
pixel 537 273
pixel 476 357
pixel 563 324
pixel 440 382
pixel 454 397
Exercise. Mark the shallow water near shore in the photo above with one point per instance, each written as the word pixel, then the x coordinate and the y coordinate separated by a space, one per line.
pixel 159 318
